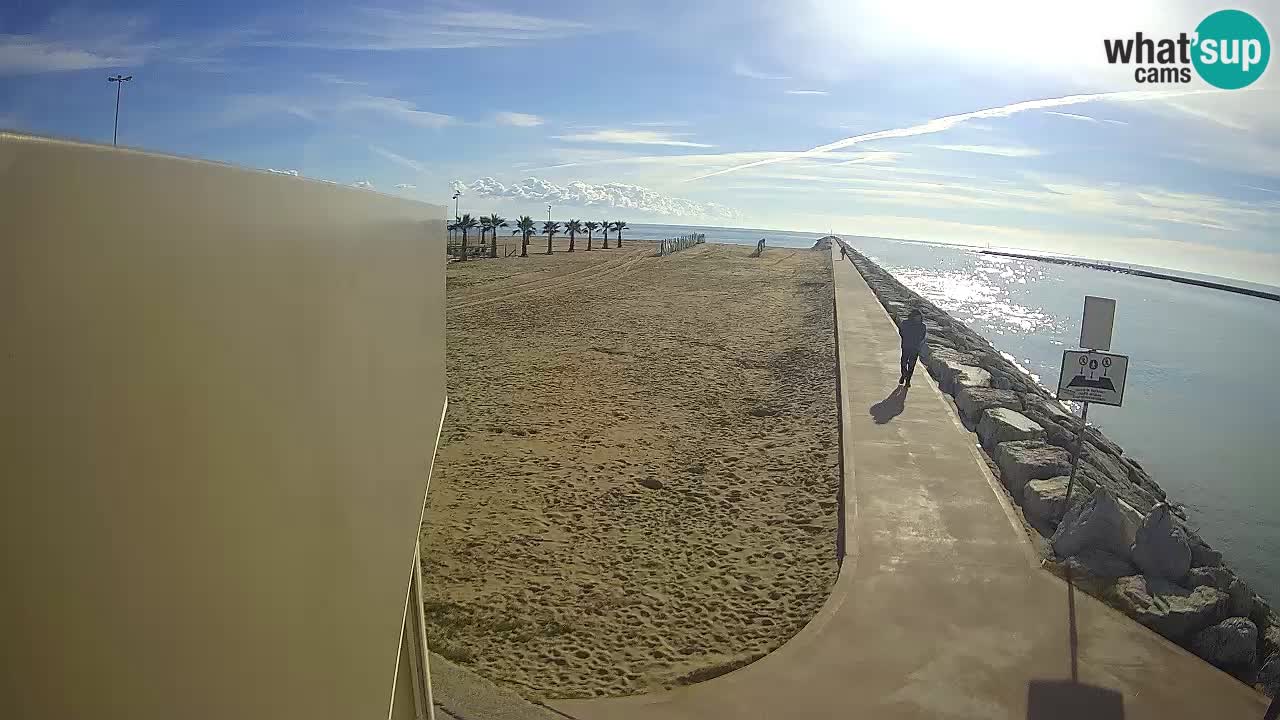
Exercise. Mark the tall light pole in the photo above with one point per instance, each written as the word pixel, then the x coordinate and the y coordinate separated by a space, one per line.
pixel 119 80
pixel 456 194
pixel 548 212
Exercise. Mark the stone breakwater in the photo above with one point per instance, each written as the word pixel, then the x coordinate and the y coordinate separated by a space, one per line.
pixel 1120 538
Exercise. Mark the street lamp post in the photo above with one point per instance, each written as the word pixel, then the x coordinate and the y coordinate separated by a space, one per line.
pixel 548 212
pixel 456 194
pixel 119 80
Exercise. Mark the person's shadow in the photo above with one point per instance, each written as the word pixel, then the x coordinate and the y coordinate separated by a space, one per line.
pixel 890 407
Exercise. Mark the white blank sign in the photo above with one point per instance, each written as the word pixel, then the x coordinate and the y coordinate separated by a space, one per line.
pixel 1095 329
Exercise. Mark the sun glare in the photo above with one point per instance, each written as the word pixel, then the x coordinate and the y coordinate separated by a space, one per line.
pixel 1048 37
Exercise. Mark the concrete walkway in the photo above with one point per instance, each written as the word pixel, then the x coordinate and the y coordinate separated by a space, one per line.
pixel 940 609
pixel 460 694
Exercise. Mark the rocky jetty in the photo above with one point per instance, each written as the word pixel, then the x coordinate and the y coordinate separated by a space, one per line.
pixel 1119 534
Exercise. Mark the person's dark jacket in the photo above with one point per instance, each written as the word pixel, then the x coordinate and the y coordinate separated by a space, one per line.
pixel 912 331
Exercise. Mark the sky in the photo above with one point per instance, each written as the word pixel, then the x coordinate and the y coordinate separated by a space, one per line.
pixel 989 123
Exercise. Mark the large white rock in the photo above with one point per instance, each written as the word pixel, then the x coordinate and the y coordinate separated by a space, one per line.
pixel 1021 461
pixel 1101 522
pixel 1269 677
pixel 1261 614
pixel 1160 549
pixel 943 362
pixel 1232 642
pixel 1000 424
pixel 973 401
pixel 1270 636
pixel 968 376
pixel 1222 578
pixel 1043 501
pixel 1204 556
pixel 1059 425
pixel 1171 610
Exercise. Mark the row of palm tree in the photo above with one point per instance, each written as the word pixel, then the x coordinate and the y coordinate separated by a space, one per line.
pixel 526 227
pixel 488 223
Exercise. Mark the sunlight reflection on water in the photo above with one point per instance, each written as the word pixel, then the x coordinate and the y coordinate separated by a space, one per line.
pixel 984 293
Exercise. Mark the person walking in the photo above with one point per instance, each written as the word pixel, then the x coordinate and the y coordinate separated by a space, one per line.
pixel 913 333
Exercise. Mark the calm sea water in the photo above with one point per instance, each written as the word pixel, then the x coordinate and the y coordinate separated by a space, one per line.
pixel 1200 409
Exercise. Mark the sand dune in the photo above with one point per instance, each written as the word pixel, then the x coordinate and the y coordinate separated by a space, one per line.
pixel 637 476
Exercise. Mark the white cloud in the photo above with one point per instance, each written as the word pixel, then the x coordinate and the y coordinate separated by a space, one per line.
pixel 806 92
pixel 1084 118
pixel 406 186
pixel 581 156
pixel 294 173
pixel 631 137
pixel 362 184
pixel 78 39
pixel 421 29
pixel 516 119
pixel 941 124
pixel 742 69
pixel 992 150
pixel 875 157
pixel 332 79
pixel 614 195
pixel 398 109
pixel 26 55
pixel 239 109
pixel 398 159
pixel 1134 207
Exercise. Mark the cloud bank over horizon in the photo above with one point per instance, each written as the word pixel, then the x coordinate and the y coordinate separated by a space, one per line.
pixel 613 195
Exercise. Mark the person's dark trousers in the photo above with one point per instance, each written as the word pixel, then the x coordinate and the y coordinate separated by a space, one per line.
pixel 909 358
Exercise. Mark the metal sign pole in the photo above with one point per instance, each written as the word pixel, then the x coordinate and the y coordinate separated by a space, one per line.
pixel 1075 456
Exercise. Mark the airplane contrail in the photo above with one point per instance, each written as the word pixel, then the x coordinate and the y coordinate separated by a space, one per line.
pixel 950 121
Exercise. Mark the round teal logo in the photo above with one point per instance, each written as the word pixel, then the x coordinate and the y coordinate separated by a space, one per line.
pixel 1232 49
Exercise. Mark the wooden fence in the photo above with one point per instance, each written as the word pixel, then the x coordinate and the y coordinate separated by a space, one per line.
pixel 676 244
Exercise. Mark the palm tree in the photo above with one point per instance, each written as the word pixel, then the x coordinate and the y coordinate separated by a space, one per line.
pixel 604 228
pixel 573 227
pixel 591 229
pixel 495 221
pixel 484 228
pixel 465 223
pixel 620 225
pixel 550 228
pixel 525 227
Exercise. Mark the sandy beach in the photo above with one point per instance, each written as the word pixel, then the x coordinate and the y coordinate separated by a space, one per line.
pixel 636 480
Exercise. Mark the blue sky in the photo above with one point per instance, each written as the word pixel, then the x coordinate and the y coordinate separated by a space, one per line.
pixel 648 111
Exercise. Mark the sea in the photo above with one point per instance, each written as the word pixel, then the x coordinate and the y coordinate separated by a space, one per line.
pixel 1200 406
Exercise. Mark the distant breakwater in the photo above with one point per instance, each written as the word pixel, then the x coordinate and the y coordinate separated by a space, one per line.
pixel 1135 271
pixel 1119 537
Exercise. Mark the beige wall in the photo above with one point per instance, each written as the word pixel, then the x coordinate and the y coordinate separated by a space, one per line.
pixel 220 393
